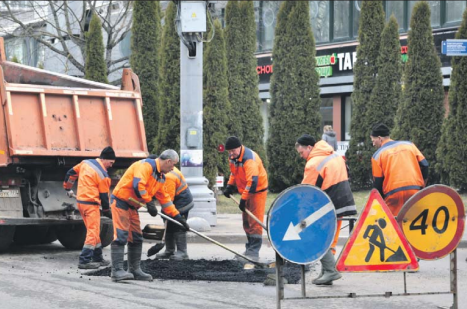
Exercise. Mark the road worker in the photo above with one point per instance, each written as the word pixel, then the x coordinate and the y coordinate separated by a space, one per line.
pixel 175 236
pixel 93 191
pixel 250 178
pixel 143 182
pixel 327 170
pixel 399 169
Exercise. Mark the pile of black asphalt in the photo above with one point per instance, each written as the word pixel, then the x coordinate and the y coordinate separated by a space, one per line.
pixel 208 270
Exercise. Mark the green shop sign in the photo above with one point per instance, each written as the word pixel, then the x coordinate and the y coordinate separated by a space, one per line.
pixel 324 64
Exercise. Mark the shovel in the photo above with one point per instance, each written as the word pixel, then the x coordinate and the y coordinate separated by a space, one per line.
pixel 159 246
pixel 262 265
pixel 250 214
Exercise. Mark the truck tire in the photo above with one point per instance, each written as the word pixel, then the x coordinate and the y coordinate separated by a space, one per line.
pixel 72 236
pixel 50 237
pixel 29 234
pixel 6 237
pixel 107 234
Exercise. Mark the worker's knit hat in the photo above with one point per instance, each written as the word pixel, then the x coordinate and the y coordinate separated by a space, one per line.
pixel 380 129
pixel 232 142
pixel 108 153
pixel 306 140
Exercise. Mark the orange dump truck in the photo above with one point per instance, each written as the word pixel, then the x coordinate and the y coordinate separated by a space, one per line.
pixel 50 122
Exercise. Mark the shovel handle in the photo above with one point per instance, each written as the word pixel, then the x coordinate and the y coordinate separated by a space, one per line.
pixel 250 214
pixel 199 234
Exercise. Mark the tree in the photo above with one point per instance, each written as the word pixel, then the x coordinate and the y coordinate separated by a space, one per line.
pixel 365 71
pixel 246 120
pixel 95 68
pixel 168 133
pixel 294 108
pixel 62 27
pixel 420 114
pixel 216 103
pixel 452 150
pixel 385 97
pixel 144 60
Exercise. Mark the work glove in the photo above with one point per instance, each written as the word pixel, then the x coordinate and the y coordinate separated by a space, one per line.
pixel 182 221
pixel 228 191
pixel 107 213
pixel 151 206
pixel 242 205
pixel 70 193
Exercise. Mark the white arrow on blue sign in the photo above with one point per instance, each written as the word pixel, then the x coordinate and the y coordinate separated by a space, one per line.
pixel 302 224
pixel 454 47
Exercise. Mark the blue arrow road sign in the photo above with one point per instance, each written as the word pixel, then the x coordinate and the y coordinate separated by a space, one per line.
pixel 454 47
pixel 302 224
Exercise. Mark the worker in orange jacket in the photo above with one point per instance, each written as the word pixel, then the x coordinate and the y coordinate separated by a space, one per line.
pixel 327 170
pixel 247 173
pixel 144 181
pixel 399 169
pixel 93 191
pixel 175 236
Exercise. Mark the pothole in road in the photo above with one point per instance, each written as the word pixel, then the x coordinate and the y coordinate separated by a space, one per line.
pixel 208 270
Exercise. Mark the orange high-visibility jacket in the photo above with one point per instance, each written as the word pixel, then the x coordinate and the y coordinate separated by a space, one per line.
pixel 178 190
pixel 142 181
pixel 93 183
pixel 326 170
pixel 398 166
pixel 247 173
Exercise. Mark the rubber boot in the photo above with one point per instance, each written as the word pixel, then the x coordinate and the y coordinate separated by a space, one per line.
pixel 134 262
pixel 117 272
pixel 253 250
pixel 169 247
pixel 330 273
pixel 180 240
pixel 85 259
pixel 319 276
pixel 98 257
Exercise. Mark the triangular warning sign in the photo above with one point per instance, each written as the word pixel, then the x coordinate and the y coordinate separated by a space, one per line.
pixel 377 242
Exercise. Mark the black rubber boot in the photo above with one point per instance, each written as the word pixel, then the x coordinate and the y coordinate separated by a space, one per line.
pixel 98 257
pixel 330 273
pixel 134 262
pixel 117 272
pixel 169 247
pixel 180 240
pixel 255 245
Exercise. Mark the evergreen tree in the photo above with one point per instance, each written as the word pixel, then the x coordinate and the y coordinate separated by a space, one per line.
pixel 95 67
pixel 144 60
pixel 420 114
pixel 15 59
pixel 216 103
pixel 365 71
pixel 168 133
pixel 452 148
pixel 294 108
pixel 385 97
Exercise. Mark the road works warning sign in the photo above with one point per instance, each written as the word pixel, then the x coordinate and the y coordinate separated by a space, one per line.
pixel 377 242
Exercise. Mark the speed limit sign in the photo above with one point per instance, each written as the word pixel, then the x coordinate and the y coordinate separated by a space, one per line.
pixel 433 221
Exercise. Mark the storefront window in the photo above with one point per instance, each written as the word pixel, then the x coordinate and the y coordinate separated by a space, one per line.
pixel 356 16
pixel 396 8
pixel 454 10
pixel 435 11
pixel 326 112
pixel 341 19
pixel 347 117
pixel 319 13
pixel 266 19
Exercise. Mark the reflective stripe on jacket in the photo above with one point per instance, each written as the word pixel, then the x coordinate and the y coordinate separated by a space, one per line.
pixel 93 183
pixel 178 190
pixel 142 181
pixel 398 166
pixel 247 173
pixel 326 170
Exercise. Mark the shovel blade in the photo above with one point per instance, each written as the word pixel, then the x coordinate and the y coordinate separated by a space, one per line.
pixel 155 249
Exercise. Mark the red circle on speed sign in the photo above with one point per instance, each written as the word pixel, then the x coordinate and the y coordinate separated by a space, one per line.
pixel 433 221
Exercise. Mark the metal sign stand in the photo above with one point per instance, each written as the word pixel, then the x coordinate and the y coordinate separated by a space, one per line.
pixel 281 296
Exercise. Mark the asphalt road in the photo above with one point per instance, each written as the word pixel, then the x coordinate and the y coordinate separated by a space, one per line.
pixel 47 276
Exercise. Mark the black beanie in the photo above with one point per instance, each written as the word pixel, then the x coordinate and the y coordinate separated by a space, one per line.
pixel 232 143
pixel 108 153
pixel 306 140
pixel 380 129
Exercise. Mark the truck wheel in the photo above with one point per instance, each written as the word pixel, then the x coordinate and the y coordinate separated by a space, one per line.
pixel 72 236
pixel 6 237
pixel 29 235
pixel 50 237
pixel 107 234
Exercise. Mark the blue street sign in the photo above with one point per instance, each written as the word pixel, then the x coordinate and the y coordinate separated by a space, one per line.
pixel 454 47
pixel 302 224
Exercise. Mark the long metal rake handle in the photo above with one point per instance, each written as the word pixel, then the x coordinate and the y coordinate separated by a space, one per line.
pixel 250 214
